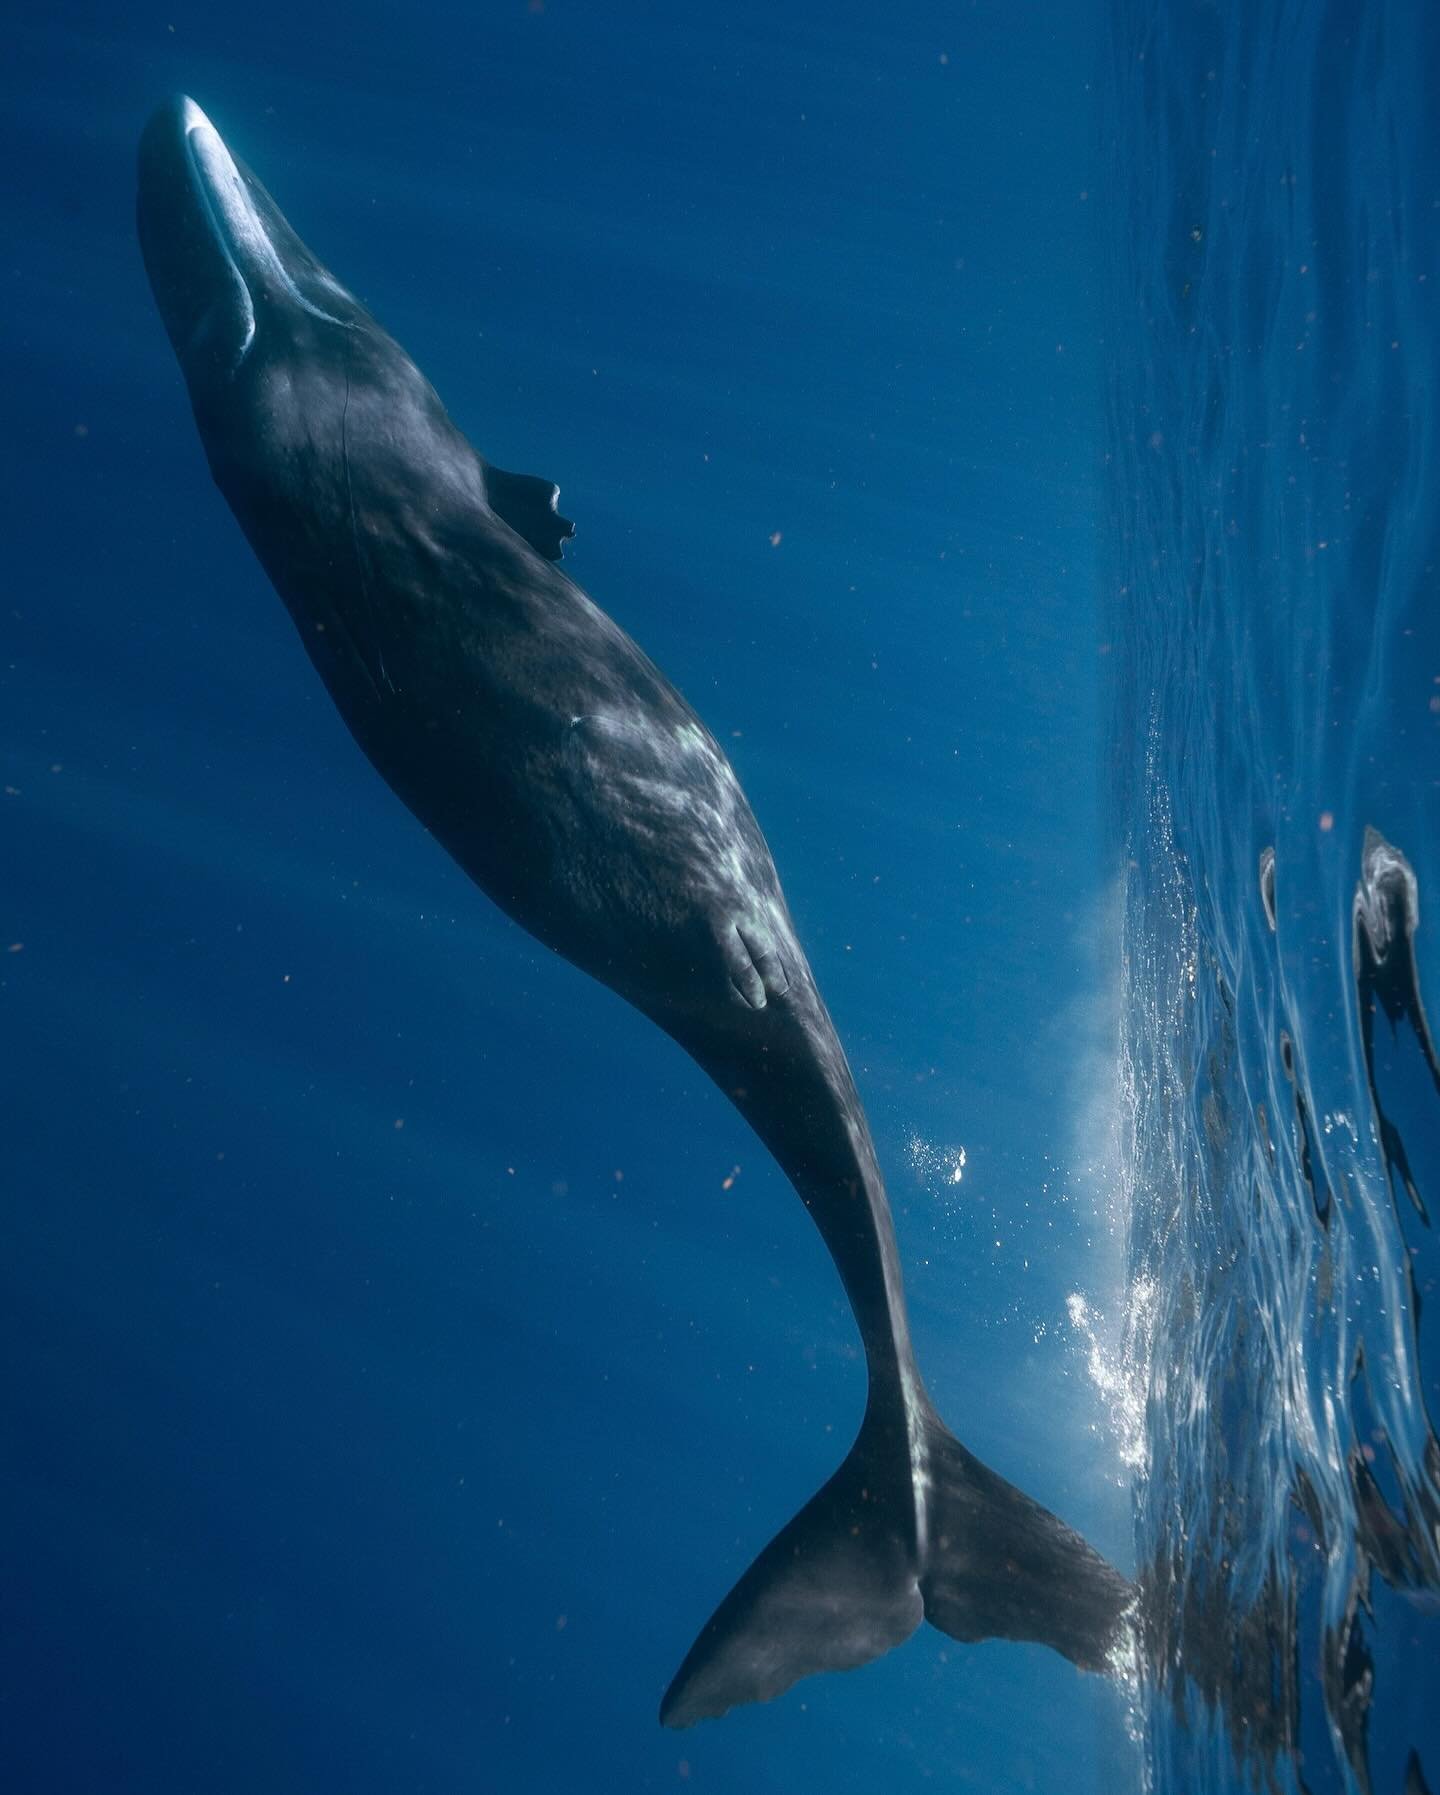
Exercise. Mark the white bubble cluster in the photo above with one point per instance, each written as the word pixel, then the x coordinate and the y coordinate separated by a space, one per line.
pixel 934 1165
pixel 1117 1363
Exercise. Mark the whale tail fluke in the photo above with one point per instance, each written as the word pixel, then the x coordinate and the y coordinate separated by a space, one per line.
pixel 833 1589
pixel 853 1575
pixel 999 1566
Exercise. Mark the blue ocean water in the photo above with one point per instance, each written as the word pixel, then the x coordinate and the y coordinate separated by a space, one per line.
pixel 988 418
pixel 1273 550
pixel 408 1346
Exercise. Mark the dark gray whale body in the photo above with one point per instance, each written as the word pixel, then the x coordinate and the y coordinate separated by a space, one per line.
pixel 577 788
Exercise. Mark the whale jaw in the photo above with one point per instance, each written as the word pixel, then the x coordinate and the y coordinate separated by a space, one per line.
pixel 222 259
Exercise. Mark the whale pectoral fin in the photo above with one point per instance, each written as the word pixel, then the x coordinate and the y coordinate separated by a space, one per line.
pixel 756 969
pixel 528 504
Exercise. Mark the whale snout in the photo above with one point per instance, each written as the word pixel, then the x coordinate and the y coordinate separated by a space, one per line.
pixel 203 297
pixel 223 261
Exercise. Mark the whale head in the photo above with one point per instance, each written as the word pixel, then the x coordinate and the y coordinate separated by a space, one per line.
pixel 353 484
pixel 329 444
pixel 233 281
pixel 274 349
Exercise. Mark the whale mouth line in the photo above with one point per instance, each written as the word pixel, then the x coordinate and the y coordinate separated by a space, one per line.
pixel 234 222
pixel 195 120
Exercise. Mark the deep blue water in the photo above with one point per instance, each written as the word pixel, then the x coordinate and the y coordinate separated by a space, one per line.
pixel 988 417
pixel 354 1456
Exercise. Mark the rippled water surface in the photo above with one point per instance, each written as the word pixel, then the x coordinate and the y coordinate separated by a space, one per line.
pixel 1273 591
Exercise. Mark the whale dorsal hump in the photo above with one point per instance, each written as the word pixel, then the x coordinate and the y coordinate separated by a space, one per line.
pixel 528 504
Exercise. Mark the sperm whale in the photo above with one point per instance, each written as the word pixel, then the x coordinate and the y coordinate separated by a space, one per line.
pixel 576 786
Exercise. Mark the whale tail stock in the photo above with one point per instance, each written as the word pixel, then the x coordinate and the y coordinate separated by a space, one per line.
pixel 911 1527
pixel 879 1549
